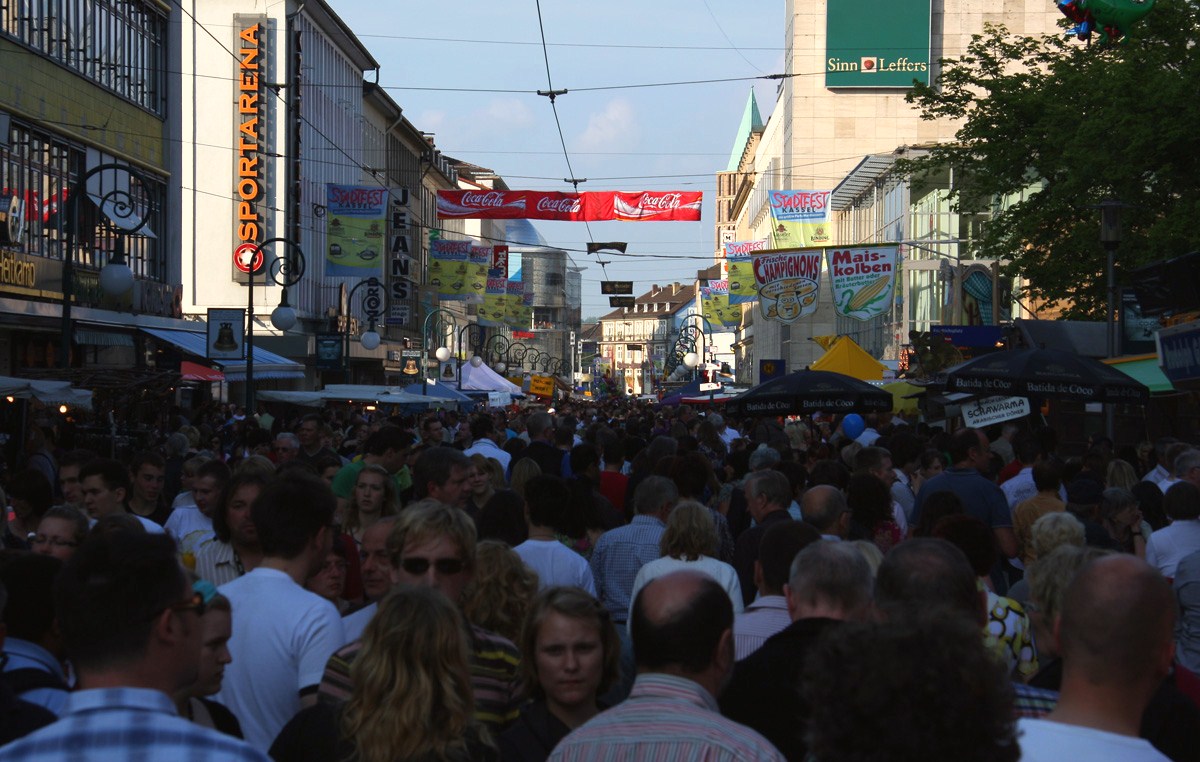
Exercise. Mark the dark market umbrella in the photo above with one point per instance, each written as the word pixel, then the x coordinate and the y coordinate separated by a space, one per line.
pixel 812 391
pixel 1048 373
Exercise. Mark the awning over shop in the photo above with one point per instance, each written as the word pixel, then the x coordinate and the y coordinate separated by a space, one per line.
pixel 93 338
pixel 267 365
pixel 1144 368
pixel 845 356
pixel 195 372
pixel 47 392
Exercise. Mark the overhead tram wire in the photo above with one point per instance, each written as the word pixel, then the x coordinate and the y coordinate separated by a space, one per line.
pixel 552 94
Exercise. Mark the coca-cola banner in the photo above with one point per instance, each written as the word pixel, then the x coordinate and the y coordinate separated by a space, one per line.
pixel 589 206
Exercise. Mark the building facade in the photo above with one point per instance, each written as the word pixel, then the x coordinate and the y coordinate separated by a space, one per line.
pixel 822 126
pixel 85 162
pixel 635 341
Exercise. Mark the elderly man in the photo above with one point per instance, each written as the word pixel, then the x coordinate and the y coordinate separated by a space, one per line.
pixel 824 507
pixel 830 582
pixel 768 614
pixel 285 447
pixel 682 630
pixel 768 496
pixel 1116 634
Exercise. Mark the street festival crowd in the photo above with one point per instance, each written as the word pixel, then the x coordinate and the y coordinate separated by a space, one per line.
pixel 604 581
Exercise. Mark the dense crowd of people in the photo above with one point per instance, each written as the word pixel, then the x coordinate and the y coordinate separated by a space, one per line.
pixel 604 581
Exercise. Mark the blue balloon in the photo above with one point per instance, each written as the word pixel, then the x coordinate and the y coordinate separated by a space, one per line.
pixel 853 425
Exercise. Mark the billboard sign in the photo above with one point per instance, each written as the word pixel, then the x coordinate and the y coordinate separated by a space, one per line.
pixel 877 43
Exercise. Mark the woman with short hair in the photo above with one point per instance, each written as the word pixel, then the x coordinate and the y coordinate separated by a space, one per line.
pixel 570 652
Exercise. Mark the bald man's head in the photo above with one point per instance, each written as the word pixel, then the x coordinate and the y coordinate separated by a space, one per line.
pixel 1117 622
pixel 823 506
pixel 678 621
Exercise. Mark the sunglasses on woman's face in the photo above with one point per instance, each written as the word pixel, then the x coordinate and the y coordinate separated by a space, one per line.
pixel 419 566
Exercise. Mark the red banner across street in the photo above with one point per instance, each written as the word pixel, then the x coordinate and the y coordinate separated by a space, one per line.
pixel 589 206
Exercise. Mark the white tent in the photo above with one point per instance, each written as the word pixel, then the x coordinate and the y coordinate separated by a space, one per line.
pixel 484 379
pixel 48 392
pixel 386 395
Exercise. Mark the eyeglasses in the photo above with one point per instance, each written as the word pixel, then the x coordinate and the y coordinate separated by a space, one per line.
pixel 195 603
pixel 419 566
pixel 54 542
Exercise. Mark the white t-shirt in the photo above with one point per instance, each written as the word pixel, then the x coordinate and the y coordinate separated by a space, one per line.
pixel 354 624
pixel 282 637
pixel 189 528
pixel 147 524
pixel 556 564
pixel 1049 741
pixel 1171 544
pixel 723 573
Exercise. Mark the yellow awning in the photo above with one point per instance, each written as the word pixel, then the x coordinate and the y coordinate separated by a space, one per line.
pixel 849 359
pixel 903 396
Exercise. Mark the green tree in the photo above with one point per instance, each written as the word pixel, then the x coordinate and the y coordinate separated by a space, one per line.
pixel 1052 126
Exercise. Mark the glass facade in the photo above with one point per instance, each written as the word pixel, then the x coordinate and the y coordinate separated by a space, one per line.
pixel 39 169
pixel 117 44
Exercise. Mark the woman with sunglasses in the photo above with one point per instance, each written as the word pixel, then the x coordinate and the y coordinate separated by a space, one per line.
pixel 412 697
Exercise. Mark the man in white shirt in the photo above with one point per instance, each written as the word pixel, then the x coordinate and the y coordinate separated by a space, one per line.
pixel 1179 539
pixel 1116 635
pixel 726 432
pixel 546 497
pixel 486 441
pixel 190 525
pixel 282 633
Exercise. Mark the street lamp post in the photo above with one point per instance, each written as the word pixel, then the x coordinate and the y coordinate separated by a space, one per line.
pixel 284 272
pixel 496 347
pixel 126 214
pixel 439 323
pixel 703 332
pixel 1110 237
pixel 475 359
pixel 373 308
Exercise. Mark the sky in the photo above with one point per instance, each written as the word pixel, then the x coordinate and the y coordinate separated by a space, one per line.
pixel 629 139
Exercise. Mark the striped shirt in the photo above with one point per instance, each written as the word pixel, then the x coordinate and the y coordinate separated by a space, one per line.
pixel 495 665
pixel 761 619
pixel 617 558
pixel 665 718
pixel 126 723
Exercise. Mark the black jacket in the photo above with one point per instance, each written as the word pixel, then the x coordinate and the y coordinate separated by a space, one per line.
pixel 764 693
pixel 533 736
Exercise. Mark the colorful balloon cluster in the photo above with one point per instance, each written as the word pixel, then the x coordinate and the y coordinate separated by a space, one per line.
pixel 1112 19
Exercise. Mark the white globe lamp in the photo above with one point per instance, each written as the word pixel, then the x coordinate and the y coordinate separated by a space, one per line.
pixel 443 354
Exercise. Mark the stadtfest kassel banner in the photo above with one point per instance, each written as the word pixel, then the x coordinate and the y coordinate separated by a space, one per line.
pixel 862 279
pixel 495 302
pixel 800 219
pixel 514 296
pixel 714 305
pixel 450 269
pixel 588 206
pixel 355 223
pixel 740 273
pixel 788 283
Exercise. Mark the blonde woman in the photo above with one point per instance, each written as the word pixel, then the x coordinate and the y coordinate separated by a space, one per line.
pixel 374 497
pixel 690 542
pixel 500 592
pixel 412 697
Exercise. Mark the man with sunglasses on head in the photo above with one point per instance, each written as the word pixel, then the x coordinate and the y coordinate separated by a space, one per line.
pixel 131 626
pixel 282 633
pixel 433 545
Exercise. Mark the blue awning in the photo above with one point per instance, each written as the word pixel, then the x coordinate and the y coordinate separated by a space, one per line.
pixel 267 365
